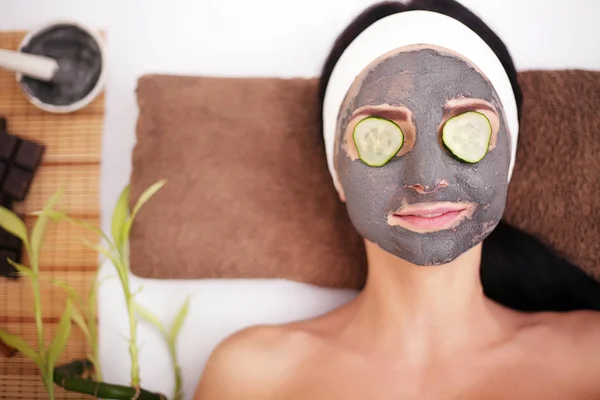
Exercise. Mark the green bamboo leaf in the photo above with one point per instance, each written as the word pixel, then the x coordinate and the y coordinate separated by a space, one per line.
pixel 11 223
pixel 93 293
pixel 39 228
pixel 149 316
pixel 147 195
pixel 119 218
pixel 23 270
pixel 138 291
pixel 100 281
pixel 91 309
pixel 179 319
pixel 100 249
pixel 59 215
pixel 122 273
pixel 80 321
pixel 16 342
pixel 72 292
pixel 63 331
pixel 144 197
pixel 120 267
pixel 55 215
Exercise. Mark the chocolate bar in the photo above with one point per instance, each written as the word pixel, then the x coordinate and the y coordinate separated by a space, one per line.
pixel 6 201
pixel 3 170
pixel 28 155
pixel 9 241
pixel 10 245
pixel 17 182
pixel 8 144
pixel 7 269
pixel 19 160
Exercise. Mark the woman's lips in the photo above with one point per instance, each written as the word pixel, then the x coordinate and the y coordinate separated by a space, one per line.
pixel 431 217
pixel 428 221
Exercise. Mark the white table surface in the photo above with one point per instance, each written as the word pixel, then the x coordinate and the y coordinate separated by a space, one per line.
pixel 249 38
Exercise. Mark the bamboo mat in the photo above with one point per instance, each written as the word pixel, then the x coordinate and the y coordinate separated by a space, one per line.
pixel 71 160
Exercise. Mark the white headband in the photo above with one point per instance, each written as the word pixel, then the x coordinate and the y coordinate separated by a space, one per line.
pixel 413 28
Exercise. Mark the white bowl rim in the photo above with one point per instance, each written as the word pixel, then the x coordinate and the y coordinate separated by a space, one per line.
pixel 94 93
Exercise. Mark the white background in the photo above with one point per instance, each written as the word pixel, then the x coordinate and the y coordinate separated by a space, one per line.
pixel 250 38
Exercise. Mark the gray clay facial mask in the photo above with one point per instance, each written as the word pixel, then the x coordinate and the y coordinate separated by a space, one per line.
pixel 422 89
pixel 80 61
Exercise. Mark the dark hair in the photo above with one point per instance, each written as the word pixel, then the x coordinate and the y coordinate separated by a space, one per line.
pixel 450 8
pixel 517 270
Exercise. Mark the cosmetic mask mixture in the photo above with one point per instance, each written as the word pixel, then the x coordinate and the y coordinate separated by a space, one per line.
pixel 419 91
pixel 80 61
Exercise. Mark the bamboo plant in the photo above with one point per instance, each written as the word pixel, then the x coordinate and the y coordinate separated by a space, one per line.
pixel 44 356
pixel 170 336
pixel 84 376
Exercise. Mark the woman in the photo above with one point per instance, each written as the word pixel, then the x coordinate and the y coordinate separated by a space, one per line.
pixel 420 112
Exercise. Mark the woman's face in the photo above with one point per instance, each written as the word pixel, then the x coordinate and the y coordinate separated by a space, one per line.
pixel 426 204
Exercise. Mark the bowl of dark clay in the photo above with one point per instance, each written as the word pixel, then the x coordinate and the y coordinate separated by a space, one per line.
pixel 80 78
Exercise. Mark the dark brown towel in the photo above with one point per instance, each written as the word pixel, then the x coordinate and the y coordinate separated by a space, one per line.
pixel 249 194
pixel 555 191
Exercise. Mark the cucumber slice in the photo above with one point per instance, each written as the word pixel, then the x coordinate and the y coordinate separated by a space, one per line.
pixel 377 140
pixel 467 136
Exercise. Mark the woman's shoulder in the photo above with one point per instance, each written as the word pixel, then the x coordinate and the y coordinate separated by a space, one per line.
pixel 254 360
pixel 270 341
pixel 578 328
pixel 568 340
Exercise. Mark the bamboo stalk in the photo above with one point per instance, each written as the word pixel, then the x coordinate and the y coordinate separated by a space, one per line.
pixel 71 377
pixel 133 347
pixel 177 371
pixel 92 326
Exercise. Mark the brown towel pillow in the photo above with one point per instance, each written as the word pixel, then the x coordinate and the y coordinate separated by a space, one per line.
pixel 249 194
pixel 555 191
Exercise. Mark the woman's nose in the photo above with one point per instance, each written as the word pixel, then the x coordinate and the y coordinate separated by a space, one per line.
pixel 424 169
pixel 428 188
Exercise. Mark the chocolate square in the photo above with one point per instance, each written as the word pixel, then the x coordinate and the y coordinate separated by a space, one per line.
pixel 5 201
pixel 29 155
pixel 17 183
pixel 7 269
pixel 8 241
pixel 8 143
pixel 3 170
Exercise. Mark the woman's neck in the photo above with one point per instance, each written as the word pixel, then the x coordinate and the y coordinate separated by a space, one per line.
pixel 427 311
